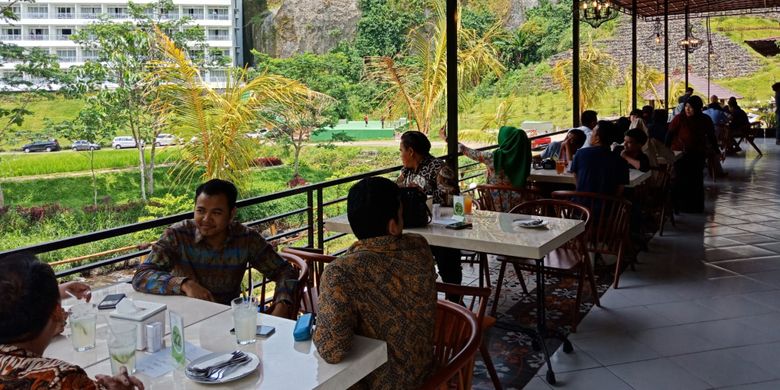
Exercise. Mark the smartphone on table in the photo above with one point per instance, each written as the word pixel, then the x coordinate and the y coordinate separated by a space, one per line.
pixel 262 330
pixel 110 301
pixel 459 225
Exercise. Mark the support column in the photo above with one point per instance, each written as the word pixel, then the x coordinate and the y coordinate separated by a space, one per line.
pixel 452 84
pixel 575 64
pixel 687 23
pixel 633 56
pixel 666 55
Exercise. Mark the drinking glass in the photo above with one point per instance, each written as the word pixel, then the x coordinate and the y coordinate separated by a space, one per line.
pixel 83 321
pixel 121 345
pixel 467 201
pixel 560 166
pixel 245 319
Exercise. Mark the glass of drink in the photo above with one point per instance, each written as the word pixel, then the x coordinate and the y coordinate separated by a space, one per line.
pixel 467 201
pixel 121 346
pixel 245 319
pixel 83 321
pixel 560 166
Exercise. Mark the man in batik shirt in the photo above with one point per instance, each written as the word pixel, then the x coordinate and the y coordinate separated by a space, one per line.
pixel 206 257
pixel 384 288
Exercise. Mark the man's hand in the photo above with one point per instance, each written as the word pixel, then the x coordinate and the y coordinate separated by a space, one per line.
pixel 80 290
pixel 192 289
pixel 121 381
pixel 281 309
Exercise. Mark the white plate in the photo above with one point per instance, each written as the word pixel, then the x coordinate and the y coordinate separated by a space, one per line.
pixel 527 223
pixel 217 357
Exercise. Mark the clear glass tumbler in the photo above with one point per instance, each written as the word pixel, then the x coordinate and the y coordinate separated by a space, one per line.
pixel 245 319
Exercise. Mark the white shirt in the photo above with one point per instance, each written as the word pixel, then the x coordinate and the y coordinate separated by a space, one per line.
pixel 588 131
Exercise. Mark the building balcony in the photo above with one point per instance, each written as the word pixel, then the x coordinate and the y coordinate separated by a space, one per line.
pixel 218 17
pixel 63 37
pixel 66 15
pixel 37 15
pixel 44 37
pixel 89 15
pixel 13 37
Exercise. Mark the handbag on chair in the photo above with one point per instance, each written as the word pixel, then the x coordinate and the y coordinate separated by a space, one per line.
pixel 415 209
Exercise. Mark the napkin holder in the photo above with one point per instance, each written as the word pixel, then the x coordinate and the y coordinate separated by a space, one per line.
pixel 143 313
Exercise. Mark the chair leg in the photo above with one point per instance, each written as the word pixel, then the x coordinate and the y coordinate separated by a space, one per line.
pixel 618 263
pixel 592 279
pixel 498 288
pixel 578 299
pixel 489 364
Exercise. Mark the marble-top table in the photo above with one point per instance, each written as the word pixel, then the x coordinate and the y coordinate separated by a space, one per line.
pixel 635 177
pixel 284 363
pixel 492 233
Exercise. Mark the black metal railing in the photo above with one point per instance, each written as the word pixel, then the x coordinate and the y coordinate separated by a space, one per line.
pixel 314 213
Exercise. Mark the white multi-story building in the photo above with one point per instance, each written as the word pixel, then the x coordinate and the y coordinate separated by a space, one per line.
pixel 48 24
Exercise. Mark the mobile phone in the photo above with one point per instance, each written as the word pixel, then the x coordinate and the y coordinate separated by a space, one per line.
pixel 459 225
pixel 110 301
pixel 262 330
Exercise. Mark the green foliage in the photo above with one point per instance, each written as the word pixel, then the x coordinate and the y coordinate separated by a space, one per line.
pixel 14 165
pixel 543 34
pixel 382 29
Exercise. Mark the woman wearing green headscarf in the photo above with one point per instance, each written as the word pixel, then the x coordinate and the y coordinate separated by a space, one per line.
pixel 510 163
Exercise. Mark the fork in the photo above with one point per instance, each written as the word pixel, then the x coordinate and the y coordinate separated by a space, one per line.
pixel 222 372
pixel 206 371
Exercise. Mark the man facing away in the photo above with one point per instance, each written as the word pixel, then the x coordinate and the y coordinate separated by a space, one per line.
pixel 597 169
pixel 384 287
pixel 206 257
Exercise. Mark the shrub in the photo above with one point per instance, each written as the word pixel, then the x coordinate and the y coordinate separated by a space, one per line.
pixel 267 161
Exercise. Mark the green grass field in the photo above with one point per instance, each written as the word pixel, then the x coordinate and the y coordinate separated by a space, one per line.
pixel 20 164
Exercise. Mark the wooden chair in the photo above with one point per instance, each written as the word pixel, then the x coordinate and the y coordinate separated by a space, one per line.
pixel 501 198
pixel 475 299
pixel 609 224
pixel 569 260
pixel 316 262
pixel 456 340
pixel 303 275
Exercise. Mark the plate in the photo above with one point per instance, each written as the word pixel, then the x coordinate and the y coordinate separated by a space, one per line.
pixel 217 357
pixel 530 223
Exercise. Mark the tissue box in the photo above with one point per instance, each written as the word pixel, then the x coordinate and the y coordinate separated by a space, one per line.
pixel 147 313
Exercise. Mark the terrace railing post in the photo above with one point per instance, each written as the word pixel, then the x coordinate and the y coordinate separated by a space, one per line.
pixel 310 217
pixel 687 24
pixel 452 84
pixel 320 220
pixel 575 64
pixel 633 56
pixel 666 56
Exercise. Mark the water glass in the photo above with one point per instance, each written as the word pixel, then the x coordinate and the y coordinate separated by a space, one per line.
pixel 83 321
pixel 121 345
pixel 245 319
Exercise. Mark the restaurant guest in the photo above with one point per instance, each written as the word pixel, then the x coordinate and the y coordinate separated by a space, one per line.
pixel 653 148
pixel 383 287
pixel 688 134
pixel 589 119
pixel 659 126
pixel 738 125
pixel 31 315
pixel 633 142
pixel 435 178
pixel 596 168
pixel 206 257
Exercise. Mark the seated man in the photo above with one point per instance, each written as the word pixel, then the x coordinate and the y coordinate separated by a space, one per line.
pixel 384 287
pixel 633 142
pixel 31 316
pixel 596 168
pixel 206 257
pixel 589 119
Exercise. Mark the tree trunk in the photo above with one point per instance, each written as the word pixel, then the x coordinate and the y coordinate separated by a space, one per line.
pixel 297 155
pixel 94 177
pixel 2 198
pixel 142 169
pixel 150 171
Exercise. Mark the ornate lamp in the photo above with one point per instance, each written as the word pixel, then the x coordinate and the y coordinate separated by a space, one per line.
pixel 596 12
pixel 656 40
pixel 690 42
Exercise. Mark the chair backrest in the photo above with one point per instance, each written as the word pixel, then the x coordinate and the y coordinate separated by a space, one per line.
pixel 456 340
pixel 609 222
pixel 303 276
pixel 316 261
pixel 473 298
pixel 502 197
pixel 559 209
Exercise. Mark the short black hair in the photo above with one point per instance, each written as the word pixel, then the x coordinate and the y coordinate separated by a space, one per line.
pixel 689 90
pixel 636 112
pixel 417 141
pixel 371 204
pixel 696 103
pixel 219 187
pixel 29 294
pixel 733 102
pixel 588 116
pixel 578 138
pixel 605 131
pixel 638 135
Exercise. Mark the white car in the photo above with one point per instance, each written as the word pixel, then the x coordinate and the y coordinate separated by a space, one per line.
pixel 166 140
pixel 124 142
pixel 258 134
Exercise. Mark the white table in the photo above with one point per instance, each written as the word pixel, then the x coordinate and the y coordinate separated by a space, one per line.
pixel 635 177
pixel 492 233
pixel 284 362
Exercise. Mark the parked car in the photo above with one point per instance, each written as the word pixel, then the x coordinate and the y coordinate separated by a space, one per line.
pixel 258 134
pixel 84 145
pixel 124 142
pixel 166 140
pixel 40 146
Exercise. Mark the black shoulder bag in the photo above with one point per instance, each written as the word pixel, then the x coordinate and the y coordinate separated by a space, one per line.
pixel 416 212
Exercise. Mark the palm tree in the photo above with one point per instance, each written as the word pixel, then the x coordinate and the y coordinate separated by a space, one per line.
pixel 417 79
pixel 219 118
pixel 647 79
pixel 597 73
